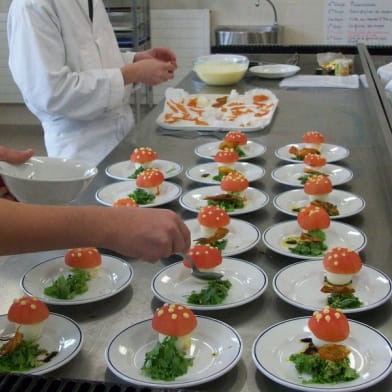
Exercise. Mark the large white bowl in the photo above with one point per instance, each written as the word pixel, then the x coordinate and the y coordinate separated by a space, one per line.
pixel 46 180
pixel 221 69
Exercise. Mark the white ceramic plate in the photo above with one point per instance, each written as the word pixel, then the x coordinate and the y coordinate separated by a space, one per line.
pixel 122 170
pixel 242 235
pixel 174 283
pixel 113 276
pixel 108 194
pixel 337 235
pixel 216 348
pixel 274 71
pixel 299 284
pixel 347 203
pixel 251 149
pixel 289 174
pixel 205 172
pixel 60 334
pixel 330 152
pixel 371 355
pixel 194 199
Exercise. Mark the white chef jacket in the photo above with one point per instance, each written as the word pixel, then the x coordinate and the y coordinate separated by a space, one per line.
pixel 385 73
pixel 67 69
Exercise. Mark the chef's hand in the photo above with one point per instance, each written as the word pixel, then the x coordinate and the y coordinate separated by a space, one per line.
pixel 148 71
pixel 163 54
pixel 12 156
pixel 145 233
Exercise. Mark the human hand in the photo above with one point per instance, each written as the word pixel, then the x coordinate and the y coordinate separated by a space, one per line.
pixel 12 156
pixel 162 54
pixel 148 71
pixel 145 233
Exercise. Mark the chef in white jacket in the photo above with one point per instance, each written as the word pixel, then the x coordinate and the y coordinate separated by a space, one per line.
pixel 65 59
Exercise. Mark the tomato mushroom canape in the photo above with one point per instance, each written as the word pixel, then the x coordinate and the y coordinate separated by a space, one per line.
pixel 84 258
pixel 30 314
pixel 315 161
pixel 212 218
pixel 340 265
pixel 175 320
pixel 234 139
pixel 226 157
pixel 313 218
pixel 205 257
pixel 318 188
pixel 313 139
pixel 150 180
pixel 234 182
pixel 328 325
pixel 143 157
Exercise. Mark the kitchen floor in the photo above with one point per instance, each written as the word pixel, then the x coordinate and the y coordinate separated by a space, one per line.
pixel 19 129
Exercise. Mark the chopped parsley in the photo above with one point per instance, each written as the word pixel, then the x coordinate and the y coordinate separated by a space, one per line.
pixel 69 287
pixel 220 244
pixel 214 294
pixel 344 301
pixel 323 371
pixel 141 196
pixel 309 248
pixel 165 361
pixel 137 172
pixel 23 358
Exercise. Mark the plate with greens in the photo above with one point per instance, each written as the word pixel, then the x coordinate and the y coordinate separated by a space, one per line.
pixel 371 355
pixel 330 152
pixel 337 235
pixel 346 203
pixel 250 200
pixel 207 173
pixel 299 284
pixel 113 276
pixel 215 346
pixel 108 194
pixel 61 338
pixel 175 284
pixel 248 151
pixel 241 237
pixel 126 170
pixel 293 173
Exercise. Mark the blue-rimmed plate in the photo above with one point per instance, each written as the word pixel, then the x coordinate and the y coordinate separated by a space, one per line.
pixel 330 152
pixel 337 235
pixel 123 170
pixel 174 283
pixel 251 150
pixel 299 284
pixel 371 355
pixel 215 346
pixel 113 276
pixel 289 174
pixel 60 334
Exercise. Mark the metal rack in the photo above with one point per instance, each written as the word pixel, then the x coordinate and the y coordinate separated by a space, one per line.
pixel 131 24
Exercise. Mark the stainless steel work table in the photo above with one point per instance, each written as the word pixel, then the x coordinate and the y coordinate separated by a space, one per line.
pixel 350 118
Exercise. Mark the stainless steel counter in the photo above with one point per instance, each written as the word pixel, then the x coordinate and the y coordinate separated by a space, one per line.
pixel 351 118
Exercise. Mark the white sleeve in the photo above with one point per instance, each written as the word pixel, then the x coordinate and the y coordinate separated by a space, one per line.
pixel 37 63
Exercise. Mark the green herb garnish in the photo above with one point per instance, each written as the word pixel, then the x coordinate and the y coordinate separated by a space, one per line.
pixel 137 172
pixel 304 178
pixel 308 248
pixel 218 177
pixel 69 287
pixel 141 196
pixel 23 358
pixel 165 361
pixel 220 244
pixel 215 293
pixel 229 205
pixel 240 152
pixel 344 301
pixel 323 371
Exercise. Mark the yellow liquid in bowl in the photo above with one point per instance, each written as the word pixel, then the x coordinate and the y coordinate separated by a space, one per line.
pixel 220 74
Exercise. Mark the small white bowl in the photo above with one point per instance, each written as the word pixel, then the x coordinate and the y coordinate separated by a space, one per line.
pixel 47 180
pixel 221 69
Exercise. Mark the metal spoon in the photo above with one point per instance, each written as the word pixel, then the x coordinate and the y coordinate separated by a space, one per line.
pixel 204 275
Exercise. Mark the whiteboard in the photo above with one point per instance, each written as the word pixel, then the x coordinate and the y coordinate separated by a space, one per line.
pixel 347 22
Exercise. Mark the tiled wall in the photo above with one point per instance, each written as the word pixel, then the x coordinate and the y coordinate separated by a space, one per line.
pixel 302 19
